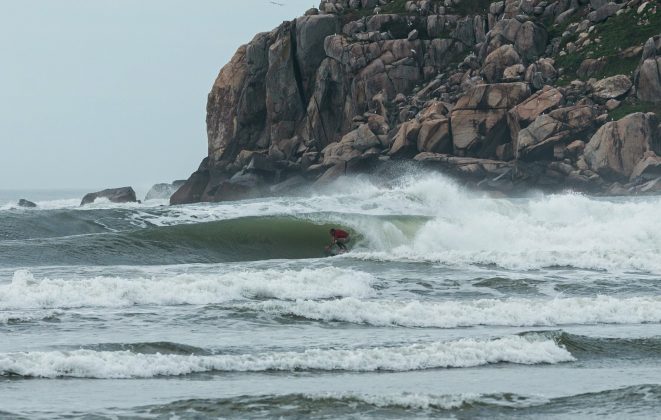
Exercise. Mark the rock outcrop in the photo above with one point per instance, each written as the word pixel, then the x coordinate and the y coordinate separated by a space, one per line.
pixel 114 195
pixel 479 119
pixel 469 87
pixel 539 139
pixel 617 147
pixel 648 86
pixel 26 203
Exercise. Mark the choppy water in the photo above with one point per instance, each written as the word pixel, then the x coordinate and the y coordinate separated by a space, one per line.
pixel 450 304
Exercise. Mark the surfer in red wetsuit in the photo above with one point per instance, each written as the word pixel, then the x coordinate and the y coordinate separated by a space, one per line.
pixel 339 237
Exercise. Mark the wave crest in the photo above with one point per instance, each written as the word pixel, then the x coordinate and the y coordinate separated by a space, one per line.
pixel 127 364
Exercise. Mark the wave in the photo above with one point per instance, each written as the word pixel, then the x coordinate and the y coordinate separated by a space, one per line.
pixel 159 347
pixel 127 364
pixel 638 401
pixel 594 347
pixel 452 314
pixel 244 239
pixel 10 318
pixel 340 404
pixel 425 218
pixel 26 292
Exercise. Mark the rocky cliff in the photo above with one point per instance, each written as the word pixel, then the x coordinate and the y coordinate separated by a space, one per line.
pixel 506 94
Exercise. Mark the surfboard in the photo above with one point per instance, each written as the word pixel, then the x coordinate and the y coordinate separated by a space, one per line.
pixel 332 252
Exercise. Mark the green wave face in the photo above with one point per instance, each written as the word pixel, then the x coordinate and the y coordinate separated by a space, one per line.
pixel 242 239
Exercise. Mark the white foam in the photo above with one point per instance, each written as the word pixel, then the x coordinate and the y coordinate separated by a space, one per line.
pixel 25 291
pixel 452 314
pixel 125 364
pixel 559 230
pixel 466 228
pixel 419 401
pixel 74 204
pixel 616 235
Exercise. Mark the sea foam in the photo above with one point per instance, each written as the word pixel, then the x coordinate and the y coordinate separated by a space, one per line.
pixel 25 291
pixel 126 364
pixel 452 314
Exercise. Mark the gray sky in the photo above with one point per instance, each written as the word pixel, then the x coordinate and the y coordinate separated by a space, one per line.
pixel 104 93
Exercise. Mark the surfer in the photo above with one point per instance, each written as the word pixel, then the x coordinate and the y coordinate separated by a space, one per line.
pixel 339 237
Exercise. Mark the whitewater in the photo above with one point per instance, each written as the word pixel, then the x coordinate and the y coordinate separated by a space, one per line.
pixel 451 303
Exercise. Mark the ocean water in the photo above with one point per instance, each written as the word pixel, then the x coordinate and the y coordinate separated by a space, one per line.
pixel 450 304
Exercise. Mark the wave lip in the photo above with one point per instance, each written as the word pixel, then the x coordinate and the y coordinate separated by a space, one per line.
pixel 127 364
pixel 583 346
pixel 26 292
pixel 452 314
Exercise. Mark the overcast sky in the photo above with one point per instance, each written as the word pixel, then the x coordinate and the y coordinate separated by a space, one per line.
pixel 105 93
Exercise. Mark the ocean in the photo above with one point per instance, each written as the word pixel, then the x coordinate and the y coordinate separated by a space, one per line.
pixel 451 304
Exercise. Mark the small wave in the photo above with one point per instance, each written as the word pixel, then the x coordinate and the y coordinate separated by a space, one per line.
pixel 127 364
pixel 159 347
pixel 638 400
pixel 339 404
pixel 10 318
pixel 583 346
pixel 452 314
pixel 197 289
pixel 13 416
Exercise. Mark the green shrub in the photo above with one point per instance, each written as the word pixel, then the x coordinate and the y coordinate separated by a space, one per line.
pixel 629 108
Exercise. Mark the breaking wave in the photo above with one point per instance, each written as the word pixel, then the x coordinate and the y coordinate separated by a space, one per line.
pixel 128 364
pixel 26 292
pixel 452 314
pixel 422 218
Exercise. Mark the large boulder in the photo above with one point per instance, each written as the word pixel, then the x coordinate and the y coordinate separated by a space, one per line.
pixel 651 48
pixel 355 145
pixel 498 61
pixel 236 107
pixel 648 87
pixel 311 31
pixel 194 187
pixel 563 125
pixel 406 139
pixel 465 166
pixel 526 112
pixel 114 195
pixel 590 66
pixel 649 167
pixel 611 87
pixel 618 146
pixel 604 12
pixel 26 203
pixel 434 136
pixel 479 119
pixel 529 38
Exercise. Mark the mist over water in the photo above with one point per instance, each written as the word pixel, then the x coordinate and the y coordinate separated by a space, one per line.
pixel 459 303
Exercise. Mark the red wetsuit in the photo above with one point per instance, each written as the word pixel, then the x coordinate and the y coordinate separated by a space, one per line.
pixel 340 237
pixel 340 234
